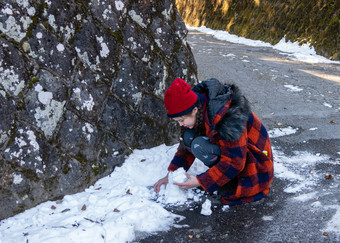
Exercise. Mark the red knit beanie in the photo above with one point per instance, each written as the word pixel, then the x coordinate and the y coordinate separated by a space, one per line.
pixel 179 99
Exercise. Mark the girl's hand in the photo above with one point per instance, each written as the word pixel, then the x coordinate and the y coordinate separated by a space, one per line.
pixel 158 184
pixel 190 183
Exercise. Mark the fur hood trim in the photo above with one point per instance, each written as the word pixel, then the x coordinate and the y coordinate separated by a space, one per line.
pixel 228 110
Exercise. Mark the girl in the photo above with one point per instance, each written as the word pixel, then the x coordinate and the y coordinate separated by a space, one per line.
pixel 219 129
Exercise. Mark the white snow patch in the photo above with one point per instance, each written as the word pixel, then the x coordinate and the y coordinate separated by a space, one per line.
pixel 294 168
pixel 334 224
pixel 284 131
pixel 3 136
pixel 267 218
pixel 293 88
pixel 306 197
pixel 23 3
pixel 225 208
pixel 206 208
pixel 158 42
pixel 327 105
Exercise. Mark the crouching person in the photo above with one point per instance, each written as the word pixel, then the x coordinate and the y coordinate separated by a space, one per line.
pixel 219 129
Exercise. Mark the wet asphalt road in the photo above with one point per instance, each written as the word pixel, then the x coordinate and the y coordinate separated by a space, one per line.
pixel 283 93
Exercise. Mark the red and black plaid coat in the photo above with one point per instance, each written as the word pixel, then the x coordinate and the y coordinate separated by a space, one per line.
pixel 246 164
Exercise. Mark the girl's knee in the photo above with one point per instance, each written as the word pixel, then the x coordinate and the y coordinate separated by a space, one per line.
pixel 188 137
pixel 205 151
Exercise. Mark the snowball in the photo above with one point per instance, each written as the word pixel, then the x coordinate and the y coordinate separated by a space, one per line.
pixel 179 176
pixel 206 208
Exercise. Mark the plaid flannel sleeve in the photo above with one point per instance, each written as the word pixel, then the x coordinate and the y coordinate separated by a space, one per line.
pixel 181 159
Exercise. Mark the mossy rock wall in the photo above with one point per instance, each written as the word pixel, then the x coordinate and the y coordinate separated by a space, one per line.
pixel 81 86
pixel 314 21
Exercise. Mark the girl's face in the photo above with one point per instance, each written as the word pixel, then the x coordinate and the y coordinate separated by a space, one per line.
pixel 188 121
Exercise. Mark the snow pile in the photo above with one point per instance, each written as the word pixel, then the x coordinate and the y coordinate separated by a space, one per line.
pixel 116 209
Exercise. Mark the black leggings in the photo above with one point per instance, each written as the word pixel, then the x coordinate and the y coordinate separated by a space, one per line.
pixel 201 147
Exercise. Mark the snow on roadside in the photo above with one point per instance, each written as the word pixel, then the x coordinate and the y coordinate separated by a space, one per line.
pixel 294 51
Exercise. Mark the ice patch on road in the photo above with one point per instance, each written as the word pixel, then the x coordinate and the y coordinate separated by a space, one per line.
pixel 334 224
pixel 299 169
pixel 306 197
